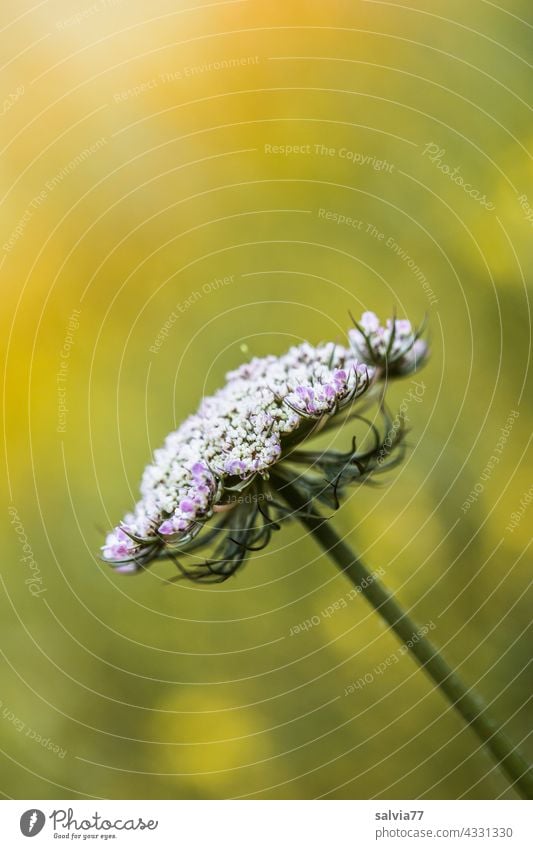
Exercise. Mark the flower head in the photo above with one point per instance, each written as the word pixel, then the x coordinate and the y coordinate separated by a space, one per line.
pixel 212 481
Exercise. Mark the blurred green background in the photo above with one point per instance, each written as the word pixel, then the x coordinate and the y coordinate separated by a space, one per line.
pixel 139 168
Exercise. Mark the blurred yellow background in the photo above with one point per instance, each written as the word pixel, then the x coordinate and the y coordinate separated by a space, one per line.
pixel 256 170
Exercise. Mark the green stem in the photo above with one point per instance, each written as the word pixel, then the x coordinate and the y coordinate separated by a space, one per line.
pixel 469 705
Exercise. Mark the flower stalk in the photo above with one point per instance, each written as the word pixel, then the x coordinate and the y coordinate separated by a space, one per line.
pixel 470 706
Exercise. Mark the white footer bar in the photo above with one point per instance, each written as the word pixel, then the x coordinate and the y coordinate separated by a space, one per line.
pixel 268 824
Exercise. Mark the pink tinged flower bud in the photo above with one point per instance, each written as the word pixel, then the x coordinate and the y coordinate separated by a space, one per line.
pixel 235 467
pixel 403 327
pixel 187 505
pixel 118 545
pixel 166 528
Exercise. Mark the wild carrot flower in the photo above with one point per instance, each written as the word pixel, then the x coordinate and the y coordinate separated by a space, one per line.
pixel 395 346
pixel 210 484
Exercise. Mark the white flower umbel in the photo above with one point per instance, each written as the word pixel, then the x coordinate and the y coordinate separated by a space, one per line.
pixel 255 422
